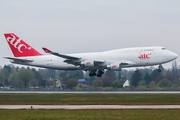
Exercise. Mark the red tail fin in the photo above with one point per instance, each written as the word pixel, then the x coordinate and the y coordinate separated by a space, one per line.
pixel 19 47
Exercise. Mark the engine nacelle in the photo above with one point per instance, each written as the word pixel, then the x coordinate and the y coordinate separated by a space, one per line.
pixel 87 63
pixel 115 67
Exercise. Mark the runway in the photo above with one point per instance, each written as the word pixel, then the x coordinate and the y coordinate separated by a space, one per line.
pixel 15 107
pixel 89 92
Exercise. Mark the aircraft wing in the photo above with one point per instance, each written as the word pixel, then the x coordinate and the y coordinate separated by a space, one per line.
pixel 18 60
pixel 68 59
pixel 60 55
pixel 97 64
pixel 71 59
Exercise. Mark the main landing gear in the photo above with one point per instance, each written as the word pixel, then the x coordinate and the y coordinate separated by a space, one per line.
pixel 97 73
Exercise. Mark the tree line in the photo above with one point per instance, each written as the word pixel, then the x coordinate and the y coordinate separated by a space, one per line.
pixel 140 79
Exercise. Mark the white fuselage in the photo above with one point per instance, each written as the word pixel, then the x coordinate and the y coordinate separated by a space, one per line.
pixel 137 57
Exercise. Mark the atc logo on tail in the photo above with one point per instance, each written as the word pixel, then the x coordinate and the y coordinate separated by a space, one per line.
pixel 19 47
pixel 16 42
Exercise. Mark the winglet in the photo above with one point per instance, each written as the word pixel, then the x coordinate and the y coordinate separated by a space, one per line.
pixel 46 50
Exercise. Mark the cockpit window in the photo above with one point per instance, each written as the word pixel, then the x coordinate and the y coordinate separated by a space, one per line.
pixel 163 48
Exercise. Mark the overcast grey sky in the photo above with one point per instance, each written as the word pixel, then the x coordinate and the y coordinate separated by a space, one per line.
pixel 70 26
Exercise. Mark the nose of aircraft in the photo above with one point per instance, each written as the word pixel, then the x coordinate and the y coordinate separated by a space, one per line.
pixel 173 56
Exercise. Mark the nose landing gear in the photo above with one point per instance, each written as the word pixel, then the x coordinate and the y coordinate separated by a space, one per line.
pixel 160 68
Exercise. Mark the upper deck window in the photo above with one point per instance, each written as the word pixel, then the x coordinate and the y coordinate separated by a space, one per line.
pixel 148 49
pixel 163 48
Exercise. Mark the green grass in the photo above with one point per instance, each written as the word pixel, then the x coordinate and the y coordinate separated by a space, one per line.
pixel 89 99
pixel 160 114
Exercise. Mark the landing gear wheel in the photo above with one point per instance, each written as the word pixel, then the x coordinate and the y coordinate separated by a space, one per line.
pixel 99 73
pixel 159 70
pixel 92 73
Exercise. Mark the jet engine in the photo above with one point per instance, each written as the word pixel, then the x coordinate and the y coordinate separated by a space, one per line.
pixel 88 63
pixel 115 67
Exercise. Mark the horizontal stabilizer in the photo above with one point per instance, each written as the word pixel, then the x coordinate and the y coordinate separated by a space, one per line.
pixel 18 59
